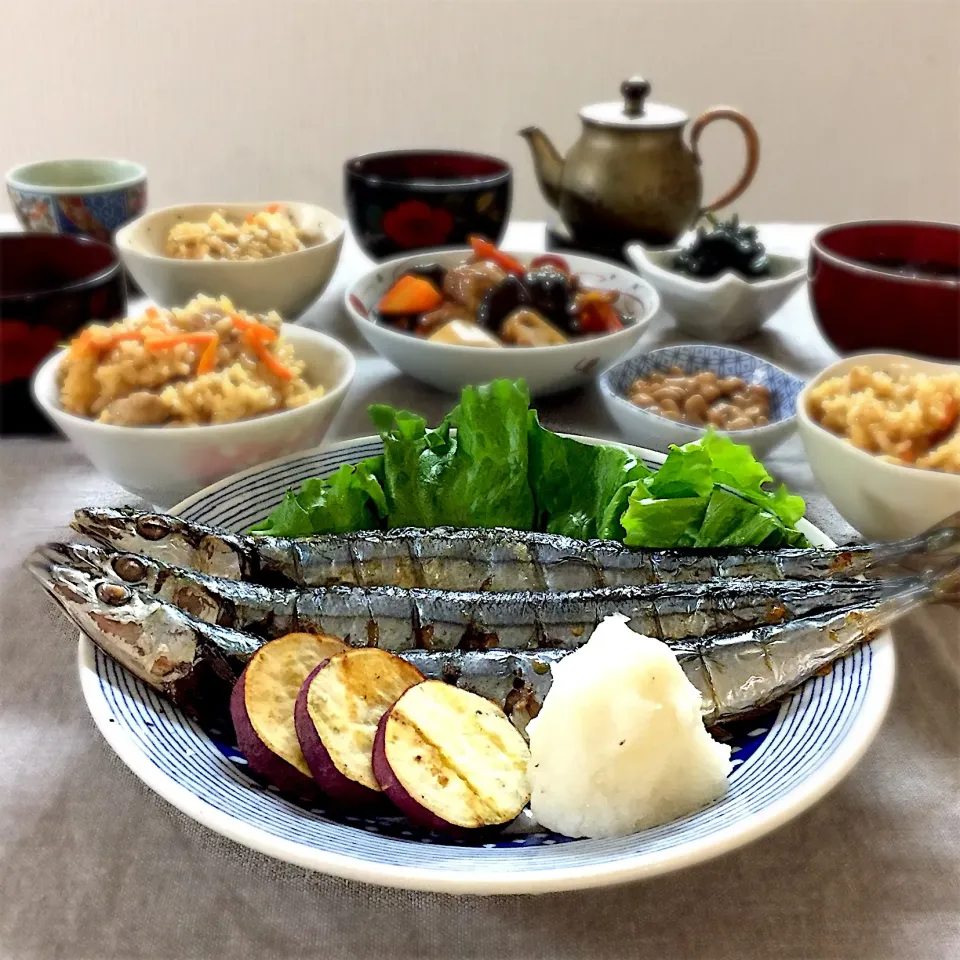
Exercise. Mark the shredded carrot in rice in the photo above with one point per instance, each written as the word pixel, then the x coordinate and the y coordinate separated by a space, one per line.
pixel 208 359
pixel 235 365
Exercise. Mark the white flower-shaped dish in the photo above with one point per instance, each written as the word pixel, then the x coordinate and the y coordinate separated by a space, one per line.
pixel 724 309
pixel 650 429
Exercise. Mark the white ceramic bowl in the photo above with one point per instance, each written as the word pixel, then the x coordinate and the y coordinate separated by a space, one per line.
pixel 545 369
pixel 883 501
pixel 165 464
pixel 724 309
pixel 288 283
pixel 646 428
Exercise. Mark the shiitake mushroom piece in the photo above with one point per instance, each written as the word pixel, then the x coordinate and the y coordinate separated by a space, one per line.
pixel 500 301
pixel 405 322
pixel 551 294
pixel 434 272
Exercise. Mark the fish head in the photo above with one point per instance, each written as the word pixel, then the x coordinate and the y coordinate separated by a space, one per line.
pixel 151 639
pixel 138 571
pixel 170 539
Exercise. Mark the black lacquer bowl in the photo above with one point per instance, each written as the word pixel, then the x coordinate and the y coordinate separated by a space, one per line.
pixel 50 286
pixel 407 200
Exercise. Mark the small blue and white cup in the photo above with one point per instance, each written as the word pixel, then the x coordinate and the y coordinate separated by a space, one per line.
pixel 90 197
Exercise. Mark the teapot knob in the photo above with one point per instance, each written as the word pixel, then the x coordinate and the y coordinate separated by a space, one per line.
pixel 635 91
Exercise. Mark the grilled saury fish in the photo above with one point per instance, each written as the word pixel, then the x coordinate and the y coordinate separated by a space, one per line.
pixel 196 663
pixel 398 619
pixel 471 559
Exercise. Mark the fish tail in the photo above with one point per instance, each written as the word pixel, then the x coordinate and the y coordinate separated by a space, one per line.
pixel 944 538
pixel 945 586
pixel 940 543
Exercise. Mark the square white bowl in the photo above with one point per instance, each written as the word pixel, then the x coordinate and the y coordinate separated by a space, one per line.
pixel 726 308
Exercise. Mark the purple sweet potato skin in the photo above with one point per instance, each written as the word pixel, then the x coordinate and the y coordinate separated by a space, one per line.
pixel 397 793
pixel 260 758
pixel 330 780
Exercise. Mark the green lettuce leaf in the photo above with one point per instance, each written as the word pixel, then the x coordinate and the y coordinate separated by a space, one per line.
pixel 729 488
pixel 351 498
pixel 662 523
pixel 687 472
pixel 476 477
pixel 574 484
pixel 735 466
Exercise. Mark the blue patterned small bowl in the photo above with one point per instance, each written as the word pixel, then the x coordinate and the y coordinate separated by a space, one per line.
pixel 643 427
pixel 90 197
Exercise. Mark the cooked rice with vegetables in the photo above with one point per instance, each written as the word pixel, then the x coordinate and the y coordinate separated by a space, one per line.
pixel 203 363
pixel 269 233
pixel 906 418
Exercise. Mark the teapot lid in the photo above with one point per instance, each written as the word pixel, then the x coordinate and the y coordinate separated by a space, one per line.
pixel 633 112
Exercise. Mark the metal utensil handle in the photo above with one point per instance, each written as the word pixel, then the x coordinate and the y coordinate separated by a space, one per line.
pixel 752 139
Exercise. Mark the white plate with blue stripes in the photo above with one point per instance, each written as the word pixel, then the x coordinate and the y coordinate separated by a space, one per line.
pixel 783 762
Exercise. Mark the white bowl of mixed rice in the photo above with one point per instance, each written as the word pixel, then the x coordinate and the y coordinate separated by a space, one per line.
pixel 169 401
pixel 277 256
pixel 882 434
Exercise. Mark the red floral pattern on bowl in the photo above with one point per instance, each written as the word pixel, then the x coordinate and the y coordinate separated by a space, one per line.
pixel 415 224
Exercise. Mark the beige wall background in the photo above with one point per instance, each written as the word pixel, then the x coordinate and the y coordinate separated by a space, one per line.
pixel 857 101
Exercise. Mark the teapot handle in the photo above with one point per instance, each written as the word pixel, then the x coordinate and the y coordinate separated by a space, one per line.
pixel 752 139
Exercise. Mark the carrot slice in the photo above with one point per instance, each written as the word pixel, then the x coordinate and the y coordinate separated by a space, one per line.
pixel 410 294
pixel 265 333
pixel 85 340
pixel 273 208
pixel 81 343
pixel 208 359
pixel 165 343
pixel 249 218
pixel 271 362
pixel 599 318
pixel 485 250
pixel 152 312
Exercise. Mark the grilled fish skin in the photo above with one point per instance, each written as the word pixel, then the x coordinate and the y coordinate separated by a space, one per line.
pixel 195 663
pixel 475 559
pixel 398 619
pixel 736 674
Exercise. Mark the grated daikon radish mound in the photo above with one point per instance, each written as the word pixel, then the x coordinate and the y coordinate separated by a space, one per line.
pixel 619 744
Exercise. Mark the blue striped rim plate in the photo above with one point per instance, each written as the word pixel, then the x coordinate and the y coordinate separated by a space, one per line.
pixel 782 763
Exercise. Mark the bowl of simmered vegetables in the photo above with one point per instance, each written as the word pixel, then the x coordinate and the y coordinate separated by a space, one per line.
pixel 455 317
pixel 722 284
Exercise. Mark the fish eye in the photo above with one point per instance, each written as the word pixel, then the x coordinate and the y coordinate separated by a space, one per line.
pixel 112 594
pixel 129 568
pixel 152 528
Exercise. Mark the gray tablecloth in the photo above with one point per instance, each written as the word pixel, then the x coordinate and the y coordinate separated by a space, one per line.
pixel 93 865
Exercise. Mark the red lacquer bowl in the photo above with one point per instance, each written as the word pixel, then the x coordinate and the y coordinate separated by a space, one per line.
pixel 407 200
pixel 888 285
pixel 50 286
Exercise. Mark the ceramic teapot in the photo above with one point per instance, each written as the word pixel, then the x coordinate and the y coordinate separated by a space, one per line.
pixel 630 176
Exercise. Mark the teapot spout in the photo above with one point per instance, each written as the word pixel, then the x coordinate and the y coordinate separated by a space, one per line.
pixel 547 163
